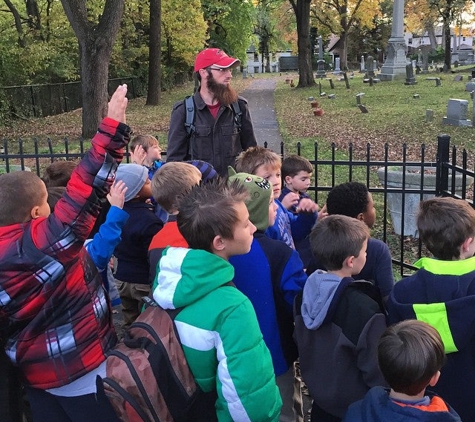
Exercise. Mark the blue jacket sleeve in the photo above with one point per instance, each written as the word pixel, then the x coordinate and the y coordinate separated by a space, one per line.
pixel 107 238
pixel 301 224
pixel 293 279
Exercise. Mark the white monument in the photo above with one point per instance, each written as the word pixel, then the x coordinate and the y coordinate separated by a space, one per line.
pixel 395 65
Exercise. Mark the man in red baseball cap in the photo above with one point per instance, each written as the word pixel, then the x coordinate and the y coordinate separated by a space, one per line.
pixel 221 125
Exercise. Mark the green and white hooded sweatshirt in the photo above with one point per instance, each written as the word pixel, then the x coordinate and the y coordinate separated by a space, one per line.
pixel 220 335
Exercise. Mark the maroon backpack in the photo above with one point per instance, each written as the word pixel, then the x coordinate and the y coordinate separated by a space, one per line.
pixel 147 376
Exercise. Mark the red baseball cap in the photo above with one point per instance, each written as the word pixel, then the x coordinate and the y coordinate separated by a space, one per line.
pixel 213 57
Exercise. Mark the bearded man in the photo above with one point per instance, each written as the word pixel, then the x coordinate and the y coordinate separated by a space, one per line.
pixel 221 126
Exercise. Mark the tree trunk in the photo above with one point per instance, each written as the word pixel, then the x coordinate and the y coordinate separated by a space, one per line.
pixel 344 51
pixel 95 56
pixel 432 37
pixel 95 48
pixel 447 38
pixel 18 25
pixel 302 15
pixel 154 54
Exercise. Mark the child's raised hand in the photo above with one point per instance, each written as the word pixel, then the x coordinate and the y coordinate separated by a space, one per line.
pixel 138 156
pixel 116 196
pixel 290 200
pixel 307 205
pixel 118 104
pixel 323 212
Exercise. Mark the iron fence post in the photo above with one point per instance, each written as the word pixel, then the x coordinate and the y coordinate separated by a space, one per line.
pixel 443 156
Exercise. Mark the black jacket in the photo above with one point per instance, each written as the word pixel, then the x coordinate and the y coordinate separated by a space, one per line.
pixel 216 141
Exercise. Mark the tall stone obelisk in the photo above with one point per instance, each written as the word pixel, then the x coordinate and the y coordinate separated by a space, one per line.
pixel 395 65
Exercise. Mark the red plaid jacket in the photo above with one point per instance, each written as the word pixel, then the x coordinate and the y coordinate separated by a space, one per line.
pixel 54 313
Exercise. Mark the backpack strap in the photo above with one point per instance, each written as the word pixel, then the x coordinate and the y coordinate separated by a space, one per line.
pixel 189 122
pixel 148 301
pixel 190 115
pixel 237 115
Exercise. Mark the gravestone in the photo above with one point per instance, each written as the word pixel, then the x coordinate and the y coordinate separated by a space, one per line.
pixel 358 98
pixel 320 62
pixel 470 86
pixel 362 65
pixel 370 67
pixel 437 80
pixel 429 115
pixel 363 108
pixel 331 96
pixel 457 113
pixel 425 60
pixel 337 66
pixel 410 79
pixel 458 78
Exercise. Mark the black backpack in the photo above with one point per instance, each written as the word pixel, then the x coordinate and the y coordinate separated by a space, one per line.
pixel 190 119
pixel 147 376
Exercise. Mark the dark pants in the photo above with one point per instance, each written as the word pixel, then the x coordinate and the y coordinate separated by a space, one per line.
pixel 319 415
pixel 47 407
pixel 11 391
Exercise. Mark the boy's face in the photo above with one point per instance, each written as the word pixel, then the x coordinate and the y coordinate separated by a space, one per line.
pixel 44 209
pixel 369 216
pixel 360 260
pixel 241 242
pixel 272 174
pixel 300 182
pixel 154 153
pixel 272 211
pixel 146 191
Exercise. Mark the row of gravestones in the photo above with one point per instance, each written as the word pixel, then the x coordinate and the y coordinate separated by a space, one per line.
pixel 456 109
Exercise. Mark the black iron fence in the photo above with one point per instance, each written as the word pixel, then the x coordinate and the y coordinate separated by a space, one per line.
pixel 46 100
pixel 397 186
pixel 27 101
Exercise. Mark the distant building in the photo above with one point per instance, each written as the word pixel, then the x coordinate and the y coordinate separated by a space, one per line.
pixel 460 44
pixel 254 63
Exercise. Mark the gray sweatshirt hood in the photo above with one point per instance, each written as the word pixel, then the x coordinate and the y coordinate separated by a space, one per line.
pixel 318 294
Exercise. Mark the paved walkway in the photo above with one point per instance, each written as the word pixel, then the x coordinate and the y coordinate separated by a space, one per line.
pixel 260 96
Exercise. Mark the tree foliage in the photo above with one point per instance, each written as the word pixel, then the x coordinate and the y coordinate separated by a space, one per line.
pixel 269 34
pixel 339 17
pixel 230 25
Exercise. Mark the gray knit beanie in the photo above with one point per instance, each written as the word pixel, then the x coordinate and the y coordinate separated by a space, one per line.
pixel 134 176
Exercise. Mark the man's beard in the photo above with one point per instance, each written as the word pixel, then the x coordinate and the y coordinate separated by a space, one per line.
pixel 224 94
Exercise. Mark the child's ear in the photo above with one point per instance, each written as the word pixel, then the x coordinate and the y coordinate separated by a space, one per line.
pixel 349 262
pixel 218 243
pixel 287 179
pixel 360 217
pixel 434 379
pixel 35 212
pixel 466 245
